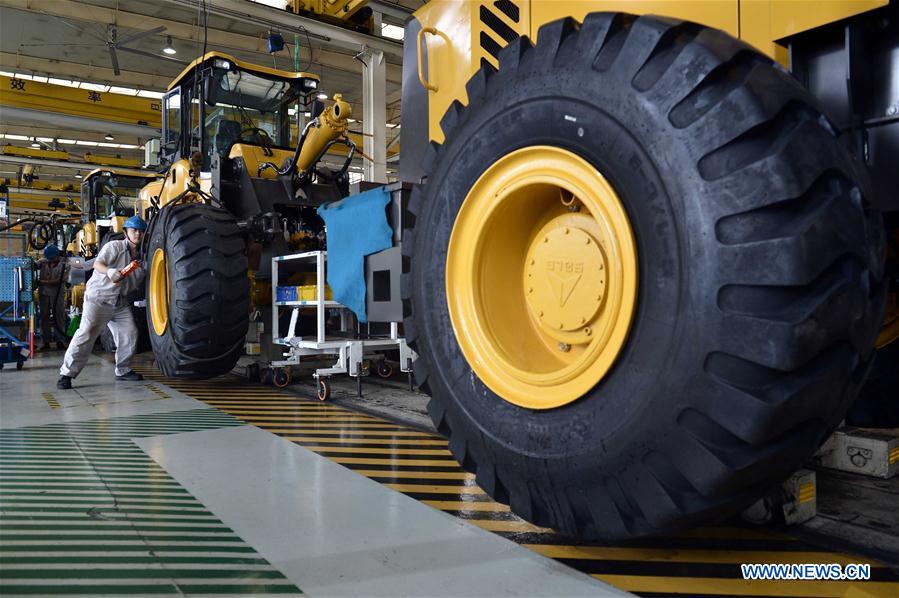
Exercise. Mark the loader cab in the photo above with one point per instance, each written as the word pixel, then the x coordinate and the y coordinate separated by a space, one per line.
pixel 219 101
pixel 107 193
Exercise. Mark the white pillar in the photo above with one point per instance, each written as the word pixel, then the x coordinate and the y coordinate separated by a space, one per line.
pixel 374 116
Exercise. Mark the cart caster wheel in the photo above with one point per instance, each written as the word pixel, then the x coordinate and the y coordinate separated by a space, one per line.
pixel 385 370
pixel 324 389
pixel 267 376
pixel 20 365
pixel 281 377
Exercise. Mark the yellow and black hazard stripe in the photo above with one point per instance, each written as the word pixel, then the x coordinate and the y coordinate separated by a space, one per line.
pixel 700 562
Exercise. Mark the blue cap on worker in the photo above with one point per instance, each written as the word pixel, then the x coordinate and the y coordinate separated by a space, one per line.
pixel 137 223
pixel 51 251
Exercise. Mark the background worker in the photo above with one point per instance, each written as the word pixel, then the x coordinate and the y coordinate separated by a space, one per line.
pixel 52 297
pixel 106 303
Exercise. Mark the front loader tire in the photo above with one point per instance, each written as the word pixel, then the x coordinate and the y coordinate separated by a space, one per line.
pixel 760 277
pixel 197 291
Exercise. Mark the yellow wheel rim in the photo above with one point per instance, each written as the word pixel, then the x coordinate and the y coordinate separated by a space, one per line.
pixel 541 277
pixel 157 297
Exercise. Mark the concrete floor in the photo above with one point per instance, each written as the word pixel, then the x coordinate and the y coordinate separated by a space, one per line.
pixel 134 488
pixel 225 487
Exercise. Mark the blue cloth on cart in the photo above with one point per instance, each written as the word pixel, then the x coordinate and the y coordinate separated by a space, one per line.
pixel 356 227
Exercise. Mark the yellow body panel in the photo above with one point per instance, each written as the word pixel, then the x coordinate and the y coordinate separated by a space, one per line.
pixel 180 175
pixel 253 156
pixel 77 296
pixel 118 224
pixel 89 234
pixel 455 34
pixel 144 196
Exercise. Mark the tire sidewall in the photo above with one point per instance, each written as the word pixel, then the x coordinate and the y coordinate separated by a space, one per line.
pixel 617 409
pixel 161 345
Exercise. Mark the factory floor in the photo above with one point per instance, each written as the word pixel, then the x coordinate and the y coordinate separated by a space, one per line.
pixel 226 487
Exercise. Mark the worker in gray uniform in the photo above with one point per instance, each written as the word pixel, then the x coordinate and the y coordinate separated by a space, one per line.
pixel 52 296
pixel 105 303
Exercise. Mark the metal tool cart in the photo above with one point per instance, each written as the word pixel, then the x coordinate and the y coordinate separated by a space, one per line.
pixel 16 310
pixel 351 353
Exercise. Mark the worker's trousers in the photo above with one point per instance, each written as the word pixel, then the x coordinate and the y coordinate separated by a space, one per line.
pixel 52 299
pixel 94 318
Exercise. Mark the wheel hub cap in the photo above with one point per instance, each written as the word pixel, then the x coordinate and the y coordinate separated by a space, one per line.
pixel 565 278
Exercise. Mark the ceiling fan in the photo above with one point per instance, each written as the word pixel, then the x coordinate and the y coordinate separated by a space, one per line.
pixel 114 43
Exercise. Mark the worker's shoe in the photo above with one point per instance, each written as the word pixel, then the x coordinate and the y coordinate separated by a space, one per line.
pixel 131 376
pixel 64 383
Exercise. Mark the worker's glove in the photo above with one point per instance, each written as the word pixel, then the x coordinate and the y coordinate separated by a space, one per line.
pixel 114 275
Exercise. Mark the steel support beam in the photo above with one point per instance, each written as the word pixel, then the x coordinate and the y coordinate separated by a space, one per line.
pixel 374 117
pixel 39 193
pixel 226 40
pixel 63 69
pixel 85 166
pixel 286 21
pixel 394 11
pixel 12 114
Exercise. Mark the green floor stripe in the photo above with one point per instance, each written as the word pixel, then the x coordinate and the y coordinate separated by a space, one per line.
pixel 47 574
pixel 137 559
pixel 122 501
pixel 237 589
pixel 124 547
pixel 102 589
pixel 106 509
pixel 83 510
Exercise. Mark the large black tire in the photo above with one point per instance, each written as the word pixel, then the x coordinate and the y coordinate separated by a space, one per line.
pixel 208 309
pixel 760 276
pixel 107 341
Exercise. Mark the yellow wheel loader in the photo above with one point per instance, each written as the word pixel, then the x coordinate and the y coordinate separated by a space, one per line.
pixel 646 272
pixel 108 197
pixel 242 183
pixel 644 260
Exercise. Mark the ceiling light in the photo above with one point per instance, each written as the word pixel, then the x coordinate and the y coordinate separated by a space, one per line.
pixel 77 174
pixel 35 144
pixel 109 137
pixel 322 96
pixel 169 49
